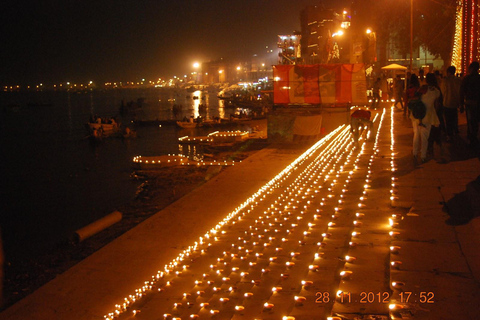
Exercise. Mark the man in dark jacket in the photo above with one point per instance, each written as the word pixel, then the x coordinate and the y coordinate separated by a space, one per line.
pixel 470 101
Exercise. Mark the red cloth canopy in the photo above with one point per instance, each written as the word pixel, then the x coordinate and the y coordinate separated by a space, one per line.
pixel 320 84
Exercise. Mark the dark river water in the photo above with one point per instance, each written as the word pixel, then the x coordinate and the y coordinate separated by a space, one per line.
pixel 55 180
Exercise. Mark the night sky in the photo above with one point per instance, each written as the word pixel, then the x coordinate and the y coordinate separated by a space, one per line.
pixel 55 41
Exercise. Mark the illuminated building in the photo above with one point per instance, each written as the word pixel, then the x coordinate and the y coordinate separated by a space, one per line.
pixel 316 24
pixel 323 31
pixel 290 48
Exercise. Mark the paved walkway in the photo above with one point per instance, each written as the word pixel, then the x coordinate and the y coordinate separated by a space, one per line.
pixel 439 252
pixel 313 242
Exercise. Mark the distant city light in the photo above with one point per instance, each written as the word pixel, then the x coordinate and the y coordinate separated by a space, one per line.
pixel 339 33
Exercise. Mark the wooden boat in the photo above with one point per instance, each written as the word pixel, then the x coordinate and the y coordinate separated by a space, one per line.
pixel 100 129
pixel 106 128
pixel 188 124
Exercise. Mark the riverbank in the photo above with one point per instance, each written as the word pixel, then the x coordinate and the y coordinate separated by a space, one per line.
pixel 158 189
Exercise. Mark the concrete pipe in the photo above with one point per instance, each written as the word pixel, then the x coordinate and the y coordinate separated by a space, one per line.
pixel 97 226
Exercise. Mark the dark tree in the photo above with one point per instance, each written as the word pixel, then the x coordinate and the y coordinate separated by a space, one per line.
pixel 436 26
pixel 433 25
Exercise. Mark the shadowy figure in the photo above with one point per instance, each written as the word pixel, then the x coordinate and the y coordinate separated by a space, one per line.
pixel 398 91
pixel 376 93
pixel 470 100
pixel 464 206
pixel 450 88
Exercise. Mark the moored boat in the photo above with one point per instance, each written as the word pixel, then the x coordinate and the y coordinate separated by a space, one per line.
pixel 188 124
pixel 99 128
pixel 105 127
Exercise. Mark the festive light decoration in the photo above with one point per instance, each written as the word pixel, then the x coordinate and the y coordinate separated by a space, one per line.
pixel 458 38
pixel 285 212
pixel 176 160
pixel 466 45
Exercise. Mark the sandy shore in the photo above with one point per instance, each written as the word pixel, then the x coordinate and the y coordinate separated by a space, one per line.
pixel 158 189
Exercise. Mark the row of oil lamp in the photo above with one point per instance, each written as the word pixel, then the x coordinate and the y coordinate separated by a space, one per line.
pixel 267 305
pixel 395 286
pixel 250 203
pixel 276 211
pixel 217 134
pixel 394 221
pixel 301 192
pixel 312 267
pixel 346 274
pixel 181 160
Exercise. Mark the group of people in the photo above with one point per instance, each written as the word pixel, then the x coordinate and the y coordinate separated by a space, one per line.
pixel 382 90
pixel 99 120
pixel 443 99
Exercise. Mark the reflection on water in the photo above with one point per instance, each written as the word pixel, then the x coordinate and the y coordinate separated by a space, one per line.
pixel 192 151
pixel 197 99
pixel 54 181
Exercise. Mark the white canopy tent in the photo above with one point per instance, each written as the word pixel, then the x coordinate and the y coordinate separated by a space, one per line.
pixel 396 68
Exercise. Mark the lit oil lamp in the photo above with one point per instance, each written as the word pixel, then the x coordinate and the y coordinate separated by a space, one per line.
pixel 268 306
pixel 345 274
pixel 350 259
pixel 394 249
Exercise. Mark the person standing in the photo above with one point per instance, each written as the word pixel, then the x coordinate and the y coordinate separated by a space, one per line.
pixel 436 130
pixel 421 130
pixel 413 87
pixel 398 91
pixel 376 93
pixel 385 87
pixel 450 88
pixel 470 101
pixel 421 77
